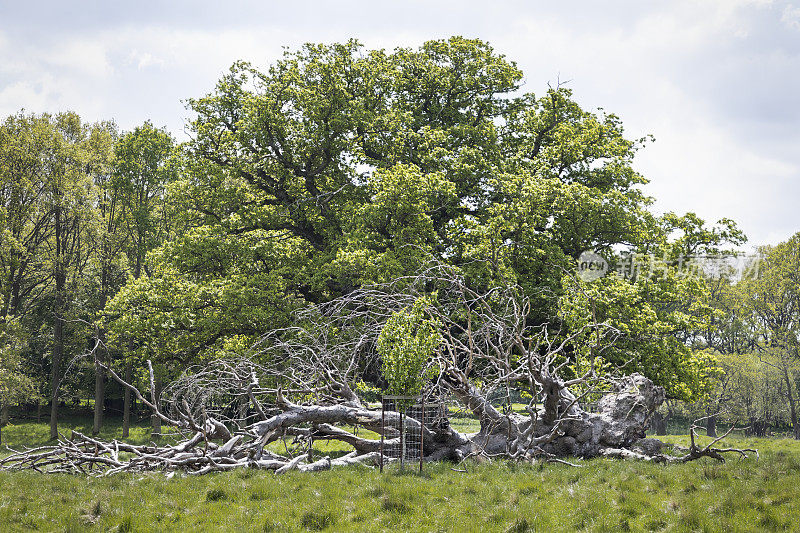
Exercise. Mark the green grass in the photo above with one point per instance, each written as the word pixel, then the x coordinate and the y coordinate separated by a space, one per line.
pixel 30 433
pixel 604 495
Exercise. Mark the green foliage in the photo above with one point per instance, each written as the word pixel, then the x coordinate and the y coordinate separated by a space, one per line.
pixel 338 167
pixel 367 392
pixel 748 389
pixel 391 235
pixel 49 229
pixel 143 166
pixel 772 298
pixel 654 315
pixel 366 162
pixel 176 319
pixel 406 344
pixel 769 304
pixel 692 237
pixel 15 385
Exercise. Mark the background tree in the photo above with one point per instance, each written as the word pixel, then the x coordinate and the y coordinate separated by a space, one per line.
pixel 71 203
pixel 49 226
pixel 108 240
pixel 772 303
pixel 143 165
pixel 27 147
pixel 15 385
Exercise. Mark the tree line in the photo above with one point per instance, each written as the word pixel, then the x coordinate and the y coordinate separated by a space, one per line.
pixel 80 207
pixel 753 346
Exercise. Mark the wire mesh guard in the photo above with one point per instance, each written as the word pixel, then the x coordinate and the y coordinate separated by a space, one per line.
pixel 403 441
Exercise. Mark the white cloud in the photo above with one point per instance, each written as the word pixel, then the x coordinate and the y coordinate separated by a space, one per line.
pixel 82 56
pixel 15 96
pixel 659 73
pixel 791 17
pixel 143 60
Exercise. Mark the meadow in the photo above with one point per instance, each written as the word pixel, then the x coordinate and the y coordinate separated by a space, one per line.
pixel 601 495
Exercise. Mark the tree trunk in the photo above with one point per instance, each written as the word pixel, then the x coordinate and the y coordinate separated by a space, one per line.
pixel 55 375
pixel 792 407
pixel 658 424
pixel 126 408
pixel 154 419
pixel 58 326
pixel 711 426
pixel 621 420
pixel 99 371
pixel 99 397
pixel 3 417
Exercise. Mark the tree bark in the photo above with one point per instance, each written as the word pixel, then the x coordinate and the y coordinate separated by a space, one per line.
pixel 58 326
pixel 658 424
pixel 99 370
pixel 55 376
pixel 3 417
pixel 126 408
pixel 99 397
pixel 792 406
pixel 711 426
pixel 155 420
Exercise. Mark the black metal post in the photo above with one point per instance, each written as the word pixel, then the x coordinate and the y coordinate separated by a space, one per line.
pixel 402 442
pixel 421 435
pixel 383 427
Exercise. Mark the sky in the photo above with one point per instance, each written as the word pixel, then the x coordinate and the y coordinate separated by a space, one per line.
pixel 717 83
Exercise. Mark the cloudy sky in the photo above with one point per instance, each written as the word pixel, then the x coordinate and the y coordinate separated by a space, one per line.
pixel 716 82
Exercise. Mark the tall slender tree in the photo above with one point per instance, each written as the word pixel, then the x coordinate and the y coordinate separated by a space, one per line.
pixel 142 168
pixel 108 243
pixel 70 200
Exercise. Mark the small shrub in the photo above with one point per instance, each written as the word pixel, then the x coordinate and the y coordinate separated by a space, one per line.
pixel 393 504
pixel 126 526
pixel 657 524
pixel 520 526
pixel 713 472
pixel 92 515
pixel 258 495
pixel 216 494
pixel 314 521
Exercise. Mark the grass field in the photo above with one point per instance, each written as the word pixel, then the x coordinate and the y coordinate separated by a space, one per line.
pixel 603 495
